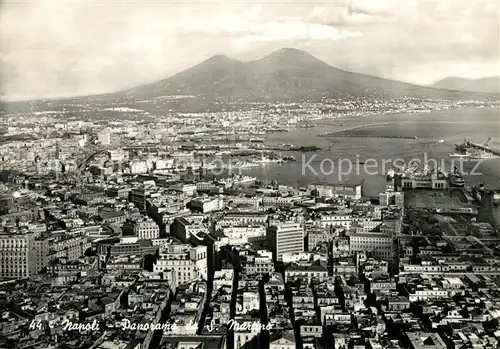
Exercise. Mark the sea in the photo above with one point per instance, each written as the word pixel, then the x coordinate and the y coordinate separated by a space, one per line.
pixel 386 141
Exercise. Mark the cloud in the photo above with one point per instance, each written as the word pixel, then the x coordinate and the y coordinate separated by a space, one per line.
pixel 371 7
pixel 346 16
pixel 281 30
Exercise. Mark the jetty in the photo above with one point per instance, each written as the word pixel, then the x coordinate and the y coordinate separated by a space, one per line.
pixel 468 144
pixel 350 135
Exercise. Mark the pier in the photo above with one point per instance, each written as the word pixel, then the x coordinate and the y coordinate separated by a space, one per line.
pixel 483 148
pixel 479 148
pixel 353 135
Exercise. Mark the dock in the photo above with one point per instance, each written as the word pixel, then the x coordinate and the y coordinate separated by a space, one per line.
pixel 483 148
pixel 468 144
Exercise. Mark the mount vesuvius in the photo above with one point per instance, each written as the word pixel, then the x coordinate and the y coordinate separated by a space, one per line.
pixel 286 74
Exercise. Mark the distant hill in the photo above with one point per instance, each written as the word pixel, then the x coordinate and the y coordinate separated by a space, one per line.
pixel 286 74
pixel 488 85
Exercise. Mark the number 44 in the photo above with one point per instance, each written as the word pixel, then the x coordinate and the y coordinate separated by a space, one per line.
pixel 35 325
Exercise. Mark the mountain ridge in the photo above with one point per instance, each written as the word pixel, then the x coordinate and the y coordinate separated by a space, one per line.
pixel 486 85
pixel 285 74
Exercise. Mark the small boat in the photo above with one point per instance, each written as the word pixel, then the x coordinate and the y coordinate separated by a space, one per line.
pixel 265 160
pixel 222 153
pixel 459 155
pixel 249 165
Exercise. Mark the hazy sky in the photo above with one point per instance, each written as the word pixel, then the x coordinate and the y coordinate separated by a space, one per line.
pixel 60 48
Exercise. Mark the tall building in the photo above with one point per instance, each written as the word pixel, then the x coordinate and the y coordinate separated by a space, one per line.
pixel 285 238
pixel 399 199
pixel 485 213
pixel 17 255
pixel 391 197
pixel 139 197
pixel 41 247
pixel 385 198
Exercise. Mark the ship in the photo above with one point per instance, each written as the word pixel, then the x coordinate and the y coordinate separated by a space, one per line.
pixel 237 180
pixel 249 165
pixel 238 165
pixel 240 180
pixel 459 155
pixel 483 155
pixel 266 160
pixel 222 153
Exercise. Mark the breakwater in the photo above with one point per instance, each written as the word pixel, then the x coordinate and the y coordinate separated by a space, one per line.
pixel 357 135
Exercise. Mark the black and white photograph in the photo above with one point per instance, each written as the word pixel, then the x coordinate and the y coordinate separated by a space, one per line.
pixel 238 174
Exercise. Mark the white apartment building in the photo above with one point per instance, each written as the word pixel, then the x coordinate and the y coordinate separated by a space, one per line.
pixel 239 235
pixel 336 220
pixel 188 190
pixel 242 218
pixel 187 263
pixel 206 205
pixel 379 244
pixel 17 256
pixel 198 254
pixel 256 202
pixel 367 223
pixel 423 293
pixel 278 201
pixel 285 238
pixel 262 263
pixel 183 229
pixel 163 164
pixel 138 167
pixel 250 302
